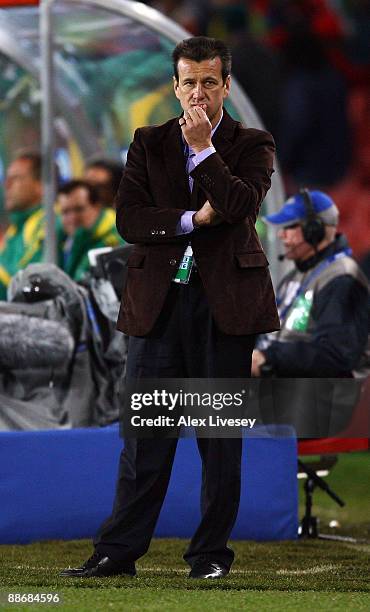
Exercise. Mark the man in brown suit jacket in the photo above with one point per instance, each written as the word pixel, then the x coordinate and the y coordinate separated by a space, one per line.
pixel 198 182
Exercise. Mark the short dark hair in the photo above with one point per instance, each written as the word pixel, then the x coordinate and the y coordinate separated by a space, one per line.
pixel 36 161
pixel 201 48
pixel 35 158
pixel 112 166
pixel 70 186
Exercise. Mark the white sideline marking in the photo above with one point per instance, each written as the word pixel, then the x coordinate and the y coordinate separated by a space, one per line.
pixel 31 567
pixel 186 570
pixel 157 569
pixel 317 569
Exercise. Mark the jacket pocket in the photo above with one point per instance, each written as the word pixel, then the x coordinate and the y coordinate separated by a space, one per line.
pixel 136 260
pixel 252 260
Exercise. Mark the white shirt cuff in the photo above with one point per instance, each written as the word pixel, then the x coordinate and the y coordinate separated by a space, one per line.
pixel 199 157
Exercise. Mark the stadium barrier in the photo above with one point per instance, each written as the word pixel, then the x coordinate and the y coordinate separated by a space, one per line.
pixel 60 485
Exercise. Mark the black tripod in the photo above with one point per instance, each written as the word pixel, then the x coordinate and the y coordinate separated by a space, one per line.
pixel 309 524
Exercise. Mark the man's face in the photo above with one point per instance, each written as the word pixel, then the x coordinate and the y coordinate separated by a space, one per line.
pixel 22 189
pixel 97 176
pixel 201 84
pixel 295 246
pixel 77 211
pixel 101 178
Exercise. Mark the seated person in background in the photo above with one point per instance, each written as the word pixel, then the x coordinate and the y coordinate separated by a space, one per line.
pixel 84 224
pixel 23 240
pixel 322 302
pixel 105 175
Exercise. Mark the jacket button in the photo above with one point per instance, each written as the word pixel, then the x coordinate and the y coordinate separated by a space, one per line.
pixel 173 262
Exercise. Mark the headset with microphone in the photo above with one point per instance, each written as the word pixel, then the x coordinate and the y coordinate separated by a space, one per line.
pixel 283 256
pixel 313 227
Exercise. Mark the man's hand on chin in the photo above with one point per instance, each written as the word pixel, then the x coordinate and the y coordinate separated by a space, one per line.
pixel 206 216
pixel 258 359
pixel 196 128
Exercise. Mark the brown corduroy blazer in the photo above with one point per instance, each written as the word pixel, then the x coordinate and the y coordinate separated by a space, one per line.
pixel 154 193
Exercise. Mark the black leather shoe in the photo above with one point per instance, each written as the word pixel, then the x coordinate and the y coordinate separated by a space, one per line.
pixel 97 566
pixel 208 569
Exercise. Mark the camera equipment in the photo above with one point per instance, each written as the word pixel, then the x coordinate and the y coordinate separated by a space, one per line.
pixel 113 266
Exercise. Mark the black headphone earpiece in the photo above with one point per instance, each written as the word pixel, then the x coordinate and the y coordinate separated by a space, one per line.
pixel 313 228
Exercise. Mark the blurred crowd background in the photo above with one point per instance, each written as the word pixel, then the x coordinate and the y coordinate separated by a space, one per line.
pixel 305 64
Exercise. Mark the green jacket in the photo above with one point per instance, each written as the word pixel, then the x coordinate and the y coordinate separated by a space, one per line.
pixel 73 258
pixel 23 244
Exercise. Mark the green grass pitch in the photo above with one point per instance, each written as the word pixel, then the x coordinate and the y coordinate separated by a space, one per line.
pixel 302 575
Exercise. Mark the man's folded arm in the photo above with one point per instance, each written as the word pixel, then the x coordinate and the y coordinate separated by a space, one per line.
pixel 239 194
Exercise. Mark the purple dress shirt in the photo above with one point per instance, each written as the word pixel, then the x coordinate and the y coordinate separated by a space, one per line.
pixel 186 222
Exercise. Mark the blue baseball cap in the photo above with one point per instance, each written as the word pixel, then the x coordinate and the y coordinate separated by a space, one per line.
pixel 294 210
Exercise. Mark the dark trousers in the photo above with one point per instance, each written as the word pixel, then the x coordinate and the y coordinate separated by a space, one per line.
pixel 185 342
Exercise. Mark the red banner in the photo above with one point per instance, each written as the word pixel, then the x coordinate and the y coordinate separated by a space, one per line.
pixel 9 3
